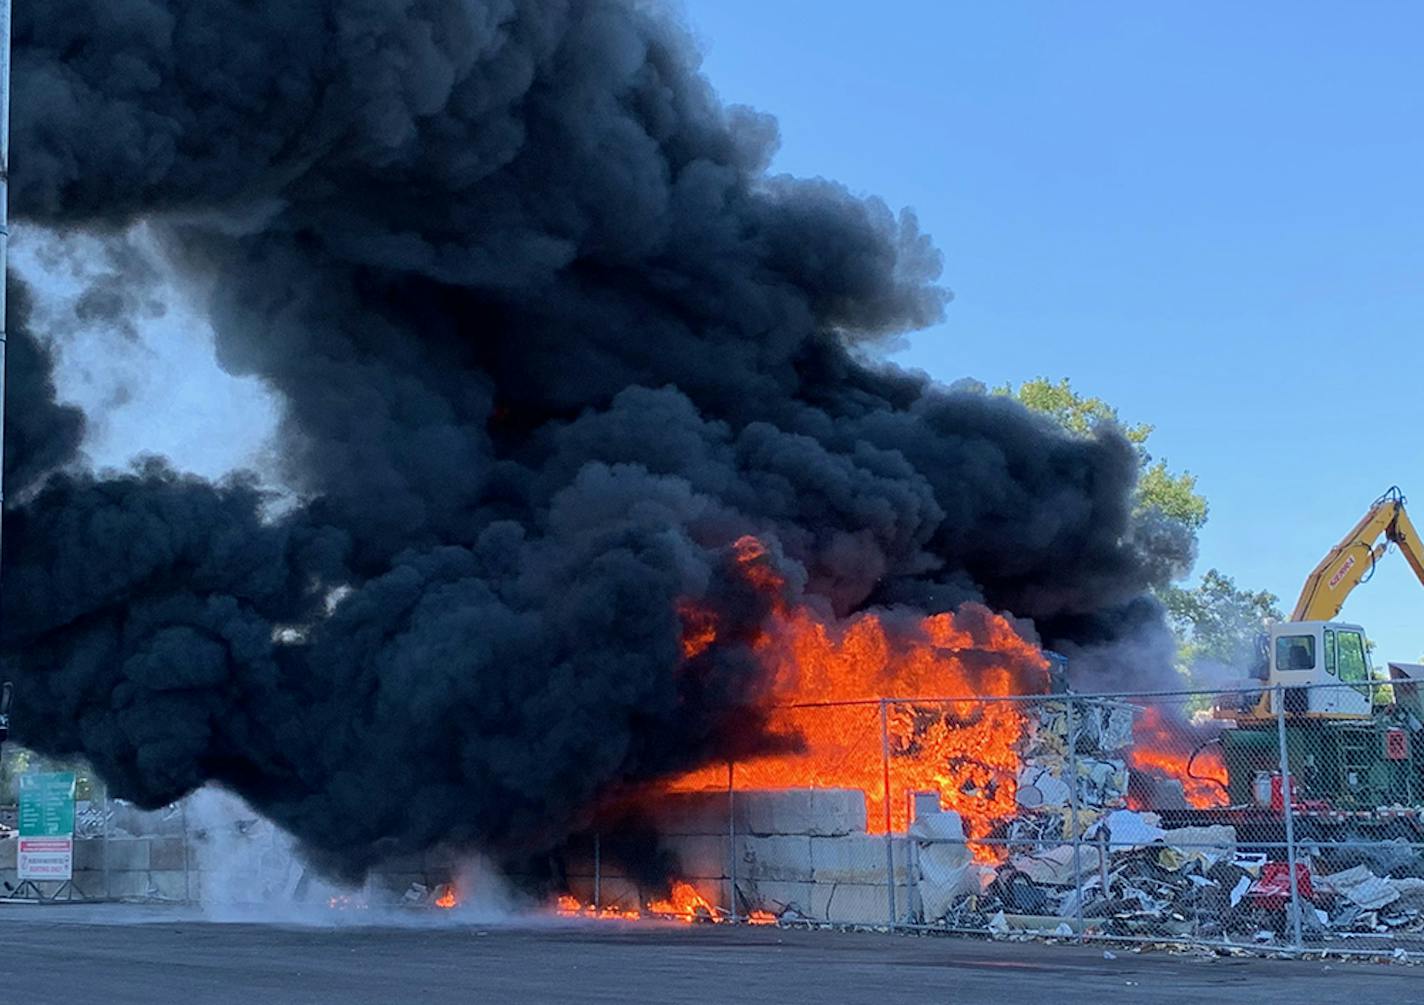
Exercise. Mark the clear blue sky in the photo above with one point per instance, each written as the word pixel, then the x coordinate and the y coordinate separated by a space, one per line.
pixel 1209 214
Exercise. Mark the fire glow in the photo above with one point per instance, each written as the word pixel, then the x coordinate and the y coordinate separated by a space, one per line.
pixel 829 676
pixel 1157 750
pixel 891 702
pixel 683 904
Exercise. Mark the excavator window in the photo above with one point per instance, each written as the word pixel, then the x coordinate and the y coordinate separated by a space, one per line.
pixel 1330 651
pixel 1295 652
pixel 1354 668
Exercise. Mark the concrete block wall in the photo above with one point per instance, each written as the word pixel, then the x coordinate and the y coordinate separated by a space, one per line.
pixel 167 868
pixel 137 868
pixel 801 851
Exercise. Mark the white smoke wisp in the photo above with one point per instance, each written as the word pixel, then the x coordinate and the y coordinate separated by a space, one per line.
pixel 247 869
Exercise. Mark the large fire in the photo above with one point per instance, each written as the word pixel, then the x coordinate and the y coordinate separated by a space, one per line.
pixel 847 691
pixel 829 676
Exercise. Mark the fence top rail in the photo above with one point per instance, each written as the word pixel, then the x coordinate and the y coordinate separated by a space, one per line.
pixel 1126 697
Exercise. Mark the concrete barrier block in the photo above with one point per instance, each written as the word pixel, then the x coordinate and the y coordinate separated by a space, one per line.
pixel 167 854
pixel 856 903
pixel 703 813
pixel 88 853
pixel 699 856
pixel 822 812
pixel 853 858
pixel 764 812
pixel 170 884
pixel 584 866
pixel 128 885
pixel 7 853
pixel 128 854
pixel 622 893
pixel 774 896
pixel 781 857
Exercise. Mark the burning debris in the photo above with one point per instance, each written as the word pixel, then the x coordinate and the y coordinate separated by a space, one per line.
pixel 825 674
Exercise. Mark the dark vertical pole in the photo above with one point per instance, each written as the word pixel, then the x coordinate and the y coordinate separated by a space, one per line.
pixel 889 837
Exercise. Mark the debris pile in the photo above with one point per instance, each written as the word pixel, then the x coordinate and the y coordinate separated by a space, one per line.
pixel 1125 876
pixel 1076 858
pixel 1064 752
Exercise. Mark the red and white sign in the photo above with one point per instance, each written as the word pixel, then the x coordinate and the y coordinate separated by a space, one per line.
pixel 45 858
pixel 1340 574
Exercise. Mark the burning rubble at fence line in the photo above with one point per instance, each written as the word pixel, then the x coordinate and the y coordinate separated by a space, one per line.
pixel 1157 751
pixel 824 672
pixel 828 676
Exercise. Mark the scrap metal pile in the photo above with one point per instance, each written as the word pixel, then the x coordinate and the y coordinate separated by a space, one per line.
pixel 1076 858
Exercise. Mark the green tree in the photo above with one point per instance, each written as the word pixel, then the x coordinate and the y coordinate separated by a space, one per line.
pixel 1174 495
pixel 1217 623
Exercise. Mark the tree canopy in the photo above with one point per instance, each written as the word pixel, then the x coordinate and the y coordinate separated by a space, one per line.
pixel 1217 623
pixel 1172 494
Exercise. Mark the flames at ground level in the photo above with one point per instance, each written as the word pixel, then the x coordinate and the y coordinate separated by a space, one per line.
pixel 683 904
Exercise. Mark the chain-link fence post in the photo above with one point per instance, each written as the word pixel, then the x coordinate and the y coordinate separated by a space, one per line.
pixel 1287 809
pixel 1073 810
pixel 187 870
pixel 108 889
pixel 732 841
pixel 889 837
pixel 597 873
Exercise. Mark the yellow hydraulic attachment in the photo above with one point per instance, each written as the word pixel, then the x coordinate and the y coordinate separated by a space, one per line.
pixel 1349 562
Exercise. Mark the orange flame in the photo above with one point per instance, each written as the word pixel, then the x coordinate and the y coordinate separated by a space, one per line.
pixel 1163 751
pixel 966 750
pixel 447 899
pixel 685 904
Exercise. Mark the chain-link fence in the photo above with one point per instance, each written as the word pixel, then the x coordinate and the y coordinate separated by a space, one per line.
pixel 1282 819
pixel 1269 818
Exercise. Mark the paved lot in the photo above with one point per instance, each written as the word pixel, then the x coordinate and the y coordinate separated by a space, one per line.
pixel 129 957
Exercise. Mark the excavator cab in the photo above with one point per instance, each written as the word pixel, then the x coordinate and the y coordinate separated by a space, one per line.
pixel 1306 653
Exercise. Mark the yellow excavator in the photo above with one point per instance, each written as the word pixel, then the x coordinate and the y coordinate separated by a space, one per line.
pixel 1312 647
pixel 1353 559
pixel 1356 744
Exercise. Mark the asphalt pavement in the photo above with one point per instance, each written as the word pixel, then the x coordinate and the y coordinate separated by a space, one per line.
pixel 126 956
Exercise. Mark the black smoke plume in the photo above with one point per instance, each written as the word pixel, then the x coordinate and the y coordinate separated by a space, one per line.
pixel 548 336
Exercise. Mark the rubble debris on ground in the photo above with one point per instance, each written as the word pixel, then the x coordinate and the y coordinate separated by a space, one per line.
pixel 1113 871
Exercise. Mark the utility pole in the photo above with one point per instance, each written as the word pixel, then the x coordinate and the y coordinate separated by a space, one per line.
pixel 4 275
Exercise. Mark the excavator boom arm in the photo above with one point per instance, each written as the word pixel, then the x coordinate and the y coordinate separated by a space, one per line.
pixel 1347 564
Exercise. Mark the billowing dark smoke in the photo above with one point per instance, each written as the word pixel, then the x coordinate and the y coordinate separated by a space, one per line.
pixel 548 339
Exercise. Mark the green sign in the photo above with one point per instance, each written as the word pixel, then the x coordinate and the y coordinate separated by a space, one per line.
pixel 47 804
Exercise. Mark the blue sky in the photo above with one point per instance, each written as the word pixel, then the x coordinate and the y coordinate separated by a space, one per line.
pixel 1209 214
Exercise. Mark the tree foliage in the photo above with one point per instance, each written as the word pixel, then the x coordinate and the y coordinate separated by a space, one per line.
pixel 1217 623
pixel 1172 494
